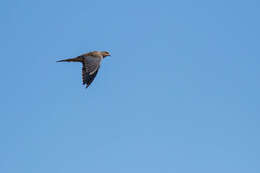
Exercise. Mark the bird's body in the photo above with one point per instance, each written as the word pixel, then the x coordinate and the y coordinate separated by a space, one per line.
pixel 91 62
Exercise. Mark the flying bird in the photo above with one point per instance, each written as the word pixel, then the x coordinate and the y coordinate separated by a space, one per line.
pixel 90 64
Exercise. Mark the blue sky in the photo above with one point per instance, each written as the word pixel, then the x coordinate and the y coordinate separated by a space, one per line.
pixel 179 94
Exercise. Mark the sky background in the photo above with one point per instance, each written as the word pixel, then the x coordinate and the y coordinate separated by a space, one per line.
pixel 179 94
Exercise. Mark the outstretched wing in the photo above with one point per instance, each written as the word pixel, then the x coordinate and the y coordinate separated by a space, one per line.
pixel 87 78
pixel 90 69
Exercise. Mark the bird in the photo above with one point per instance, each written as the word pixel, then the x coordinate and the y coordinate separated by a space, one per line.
pixel 91 62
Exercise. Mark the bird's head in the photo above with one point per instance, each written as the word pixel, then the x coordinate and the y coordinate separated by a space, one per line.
pixel 105 53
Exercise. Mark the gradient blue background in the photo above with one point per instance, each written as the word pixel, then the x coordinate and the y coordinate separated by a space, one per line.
pixel 179 94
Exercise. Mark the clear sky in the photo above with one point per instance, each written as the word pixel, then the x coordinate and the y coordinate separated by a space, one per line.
pixel 179 94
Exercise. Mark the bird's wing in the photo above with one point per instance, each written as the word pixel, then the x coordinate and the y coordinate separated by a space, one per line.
pixel 90 69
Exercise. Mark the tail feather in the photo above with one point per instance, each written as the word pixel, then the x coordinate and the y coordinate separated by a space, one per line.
pixel 77 59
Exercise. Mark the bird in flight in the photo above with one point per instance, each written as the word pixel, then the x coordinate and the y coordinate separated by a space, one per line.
pixel 90 64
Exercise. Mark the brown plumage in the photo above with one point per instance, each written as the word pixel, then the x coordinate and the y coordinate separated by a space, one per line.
pixel 90 64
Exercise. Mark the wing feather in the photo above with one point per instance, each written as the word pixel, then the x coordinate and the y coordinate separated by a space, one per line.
pixel 90 69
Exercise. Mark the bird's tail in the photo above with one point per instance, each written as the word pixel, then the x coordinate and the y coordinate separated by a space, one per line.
pixel 77 59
